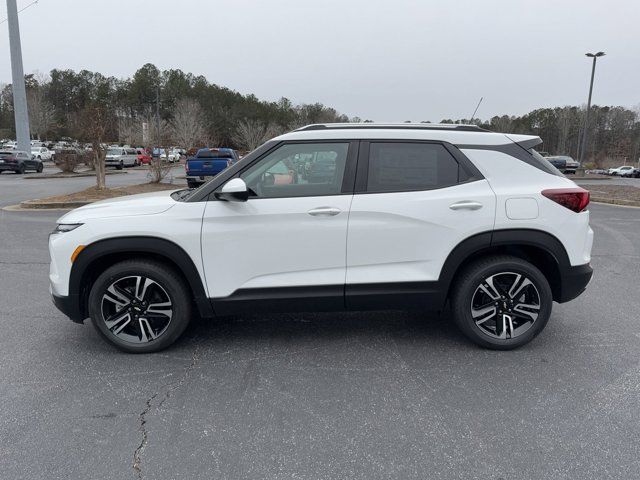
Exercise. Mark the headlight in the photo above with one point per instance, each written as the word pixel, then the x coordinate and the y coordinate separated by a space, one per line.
pixel 66 227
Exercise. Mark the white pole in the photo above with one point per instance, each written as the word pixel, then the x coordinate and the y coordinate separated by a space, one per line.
pixel 21 114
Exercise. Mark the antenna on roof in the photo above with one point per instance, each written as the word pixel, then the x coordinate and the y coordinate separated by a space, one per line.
pixel 474 112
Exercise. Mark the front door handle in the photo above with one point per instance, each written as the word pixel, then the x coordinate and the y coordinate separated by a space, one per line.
pixel 465 205
pixel 324 211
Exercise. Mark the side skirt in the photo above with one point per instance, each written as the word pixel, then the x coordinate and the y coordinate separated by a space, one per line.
pixel 328 298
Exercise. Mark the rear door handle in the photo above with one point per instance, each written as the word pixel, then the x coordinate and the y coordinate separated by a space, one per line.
pixel 465 205
pixel 324 211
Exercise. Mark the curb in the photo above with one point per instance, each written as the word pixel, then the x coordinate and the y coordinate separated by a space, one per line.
pixel 615 201
pixel 18 208
pixel 75 175
pixel 588 179
pixel 39 205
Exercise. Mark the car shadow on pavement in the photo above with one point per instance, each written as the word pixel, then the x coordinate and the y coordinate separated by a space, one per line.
pixel 425 327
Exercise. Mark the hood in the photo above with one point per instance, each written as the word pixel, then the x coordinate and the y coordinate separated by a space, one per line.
pixel 141 204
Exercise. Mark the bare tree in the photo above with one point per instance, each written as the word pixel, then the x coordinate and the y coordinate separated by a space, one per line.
pixel 41 111
pixel 94 124
pixel 187 126
pixel 130 130
pixel 250 134
pixel 160 167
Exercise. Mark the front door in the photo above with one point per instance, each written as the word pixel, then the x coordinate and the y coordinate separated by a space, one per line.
pixel 288 241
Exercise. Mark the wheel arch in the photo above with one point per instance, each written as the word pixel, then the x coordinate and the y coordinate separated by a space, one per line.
pixel 540 248
pixel 96 257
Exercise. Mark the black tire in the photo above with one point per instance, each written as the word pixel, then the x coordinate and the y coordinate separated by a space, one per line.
pixel 469 282
pixel 120 166
pixel 170 283
pixel 39 168
pixel 193 183
pixel 21 170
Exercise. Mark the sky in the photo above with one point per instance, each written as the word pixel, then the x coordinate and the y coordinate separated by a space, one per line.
pixel 393 60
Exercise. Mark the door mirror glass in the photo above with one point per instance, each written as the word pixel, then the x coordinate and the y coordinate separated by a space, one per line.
pixel 235 190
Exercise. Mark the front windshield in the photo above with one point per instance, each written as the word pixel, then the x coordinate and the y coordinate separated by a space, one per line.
pixel 114 151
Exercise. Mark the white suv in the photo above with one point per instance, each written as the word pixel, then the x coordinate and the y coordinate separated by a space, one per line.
pixel 337 217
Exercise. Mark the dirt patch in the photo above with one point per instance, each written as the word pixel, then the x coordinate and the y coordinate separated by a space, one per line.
pixel 617 194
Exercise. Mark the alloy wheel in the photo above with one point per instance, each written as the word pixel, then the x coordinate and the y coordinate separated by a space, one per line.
pixel 505 305
pixel 136 309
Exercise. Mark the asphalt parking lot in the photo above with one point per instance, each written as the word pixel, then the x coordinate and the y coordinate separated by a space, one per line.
pixel 315 396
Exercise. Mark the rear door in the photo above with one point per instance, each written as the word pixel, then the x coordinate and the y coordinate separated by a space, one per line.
pixel 414 202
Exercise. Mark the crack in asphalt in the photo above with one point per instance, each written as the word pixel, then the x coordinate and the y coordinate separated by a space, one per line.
pixel 142 417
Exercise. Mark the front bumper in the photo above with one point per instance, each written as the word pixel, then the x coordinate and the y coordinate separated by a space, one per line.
pixel 70 306
pixel 574 281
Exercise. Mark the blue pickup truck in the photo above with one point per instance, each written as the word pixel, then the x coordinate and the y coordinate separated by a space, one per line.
pixel 208 162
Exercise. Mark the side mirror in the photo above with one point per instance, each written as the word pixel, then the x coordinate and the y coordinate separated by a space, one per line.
pixel 235 190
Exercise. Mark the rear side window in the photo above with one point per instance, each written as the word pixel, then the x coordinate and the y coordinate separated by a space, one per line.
pixel 404 167
pixel 214 154
pixel 543 164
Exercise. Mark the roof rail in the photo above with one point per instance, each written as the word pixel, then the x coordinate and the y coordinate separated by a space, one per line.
pixel 393 126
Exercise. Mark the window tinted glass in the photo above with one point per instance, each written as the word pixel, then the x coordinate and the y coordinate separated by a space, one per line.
pixel 398 167
pixel 299 170
pixel 544 164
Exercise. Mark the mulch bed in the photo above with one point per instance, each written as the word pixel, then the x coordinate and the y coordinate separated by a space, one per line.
pixel 92 194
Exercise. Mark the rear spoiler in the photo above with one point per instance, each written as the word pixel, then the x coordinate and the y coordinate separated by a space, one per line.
pixel 525 141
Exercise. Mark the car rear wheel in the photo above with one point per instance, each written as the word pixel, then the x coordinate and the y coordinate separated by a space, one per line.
pixel 120 166
pixel 140 306
pixel 501 302
pixel 39 168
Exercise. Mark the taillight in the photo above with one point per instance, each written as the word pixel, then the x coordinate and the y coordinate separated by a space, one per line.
pixel 575 199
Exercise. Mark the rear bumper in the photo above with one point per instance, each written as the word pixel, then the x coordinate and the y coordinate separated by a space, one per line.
pixel 574 281
pixel 70 306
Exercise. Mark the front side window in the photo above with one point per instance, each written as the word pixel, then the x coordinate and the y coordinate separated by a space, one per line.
pixel 299 170
pixel 404 167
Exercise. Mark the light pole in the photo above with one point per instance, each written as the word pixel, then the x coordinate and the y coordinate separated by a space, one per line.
pixel 17 75
pixel 585 133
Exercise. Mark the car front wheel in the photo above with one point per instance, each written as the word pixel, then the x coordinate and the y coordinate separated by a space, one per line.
pixel 501 302
pixel 140 306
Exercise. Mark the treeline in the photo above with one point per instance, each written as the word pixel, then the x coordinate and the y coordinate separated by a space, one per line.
pixel 194 112
pixel 614 132
pixel 59 102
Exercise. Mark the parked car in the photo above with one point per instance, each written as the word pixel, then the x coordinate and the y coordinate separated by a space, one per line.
pixel 42 153
pixel 121 157
pixel 557 162
pixel 19 161
pixel 633 172
pixel 414 217
pixel 564 163
pixel 621 171
pixel 171 156
pixel 143 156
pixel 208 162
